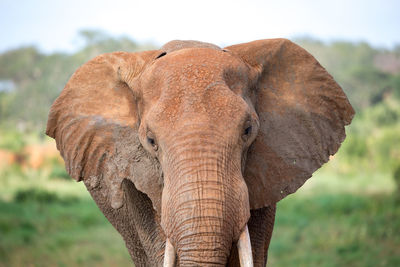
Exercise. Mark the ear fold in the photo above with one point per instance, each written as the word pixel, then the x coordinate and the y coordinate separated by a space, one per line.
pixel 94 122
pixel 302 113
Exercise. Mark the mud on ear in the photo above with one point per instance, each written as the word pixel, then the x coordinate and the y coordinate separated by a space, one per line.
pixel 94 122
pixel 302 113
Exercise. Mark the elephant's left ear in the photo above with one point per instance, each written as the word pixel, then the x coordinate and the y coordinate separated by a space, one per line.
pixel 302 113
pixel 95 124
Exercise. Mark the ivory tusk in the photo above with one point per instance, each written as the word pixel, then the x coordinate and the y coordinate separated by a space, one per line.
pixel 169 255
pixel 244 249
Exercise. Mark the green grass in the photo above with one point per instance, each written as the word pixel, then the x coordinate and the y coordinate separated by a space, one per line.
pixel 333 220
pixel 47 230
pixel 337 230
pixel 339 220
pixel 48 221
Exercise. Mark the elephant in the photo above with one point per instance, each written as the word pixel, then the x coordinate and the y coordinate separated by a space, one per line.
pixel 187 149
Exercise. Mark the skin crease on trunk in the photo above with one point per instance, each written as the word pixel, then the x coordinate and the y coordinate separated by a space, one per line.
pixel 192 143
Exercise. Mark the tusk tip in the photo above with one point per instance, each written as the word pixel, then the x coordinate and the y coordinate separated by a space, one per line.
pixel 169 255
pixel 244 249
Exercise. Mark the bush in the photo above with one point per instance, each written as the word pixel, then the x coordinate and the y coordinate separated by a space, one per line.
pixel 396 176
pixel 12 140
pixel 40 196
pixel 355 146
pixel 36 195
pixel 58 172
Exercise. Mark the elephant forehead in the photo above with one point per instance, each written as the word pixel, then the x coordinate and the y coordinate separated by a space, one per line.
pixel 213 105
pixel 194 65
pixel 192 83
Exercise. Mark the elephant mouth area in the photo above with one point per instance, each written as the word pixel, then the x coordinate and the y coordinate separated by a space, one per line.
pixel 217 256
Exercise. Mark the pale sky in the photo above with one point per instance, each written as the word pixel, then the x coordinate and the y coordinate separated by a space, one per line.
pixel 52 25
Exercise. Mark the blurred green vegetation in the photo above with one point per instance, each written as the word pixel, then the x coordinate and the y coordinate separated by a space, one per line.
pixel 334 220
pixel 32 79
pixel 337 230
pixel 349 215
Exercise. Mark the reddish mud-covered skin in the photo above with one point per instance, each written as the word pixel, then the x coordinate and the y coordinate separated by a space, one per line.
pixel 192 142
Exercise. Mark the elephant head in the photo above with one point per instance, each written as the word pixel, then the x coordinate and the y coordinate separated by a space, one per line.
pixel 206 134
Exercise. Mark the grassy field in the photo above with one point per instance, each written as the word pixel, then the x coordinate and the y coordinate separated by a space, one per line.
pixel 53 222
pixel 327 228
pixel 334 220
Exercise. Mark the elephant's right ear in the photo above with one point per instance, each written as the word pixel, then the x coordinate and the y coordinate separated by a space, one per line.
pixel 302 113
pixel 94 122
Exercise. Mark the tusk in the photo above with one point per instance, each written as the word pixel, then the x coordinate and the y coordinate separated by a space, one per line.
pixel 244 248
pixel 169 255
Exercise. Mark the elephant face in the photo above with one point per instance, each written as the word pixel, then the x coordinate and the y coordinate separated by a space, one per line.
pixel 207 134
pixel 198 120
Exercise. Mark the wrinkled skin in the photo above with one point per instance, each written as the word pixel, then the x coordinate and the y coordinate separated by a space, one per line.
pixel 192 142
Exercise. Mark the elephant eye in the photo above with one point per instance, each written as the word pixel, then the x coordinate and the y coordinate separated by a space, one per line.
pixel 247 131
pixel 151 141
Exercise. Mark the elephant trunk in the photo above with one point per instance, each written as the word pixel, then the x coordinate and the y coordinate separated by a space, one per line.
pixel 204 206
